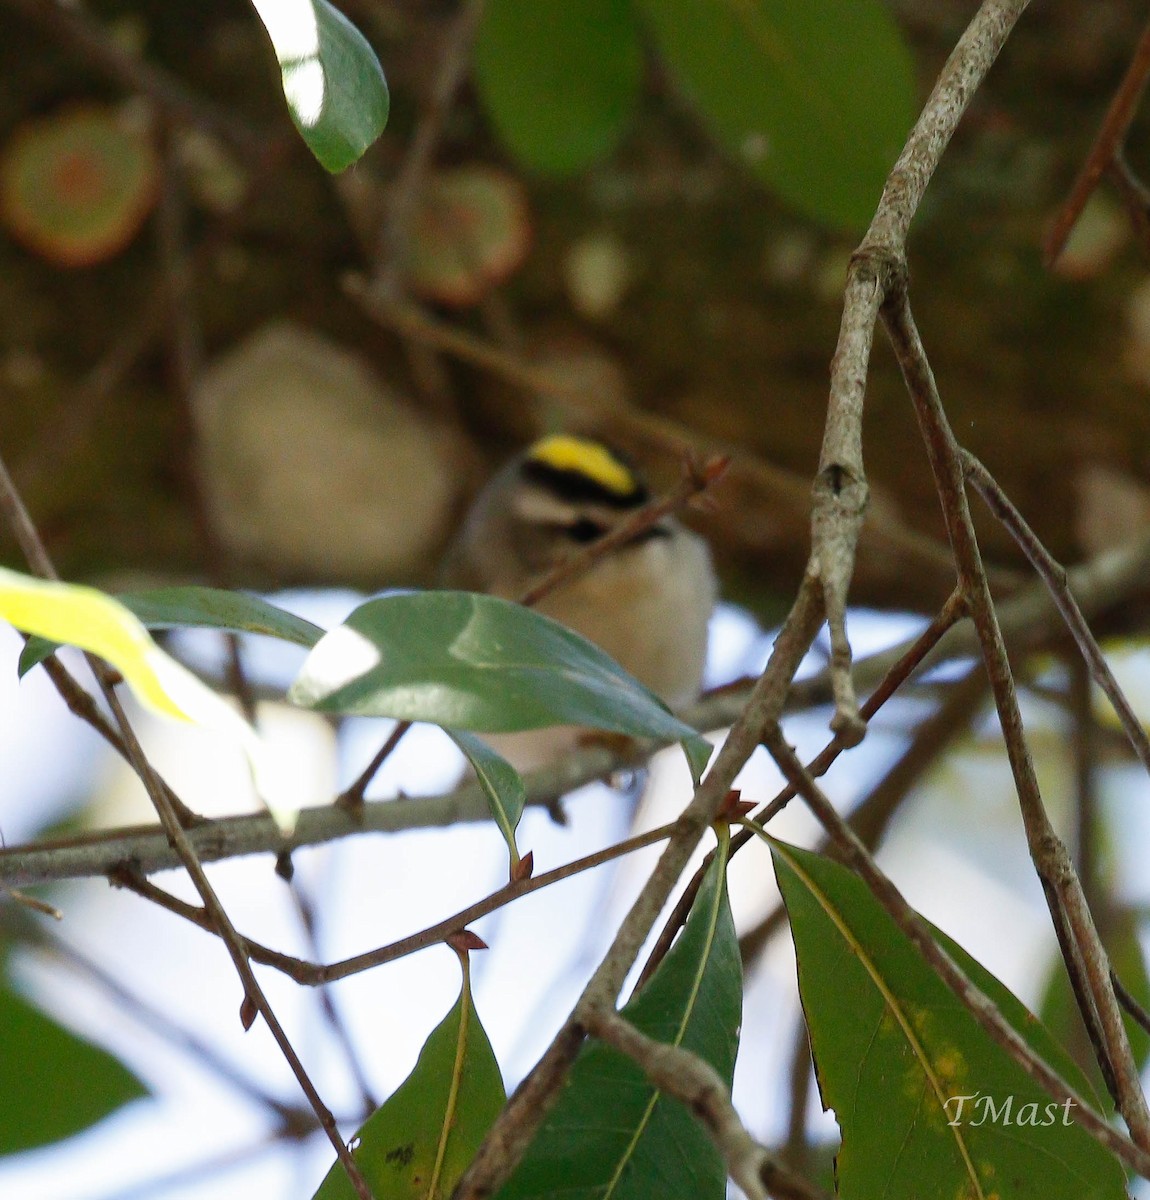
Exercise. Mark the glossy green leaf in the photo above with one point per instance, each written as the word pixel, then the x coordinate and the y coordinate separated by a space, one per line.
pixel 501 784
pixel 611 1134
pixel 334 86
pixel 474 662
pixel 54 1083
pixel 896 1049
pixel 559 80
pixel 816 99
pixel 198 608
pixel 417 1144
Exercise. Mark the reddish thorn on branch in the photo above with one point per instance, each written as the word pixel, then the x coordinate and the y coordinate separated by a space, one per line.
pixel 524 868
pixel 734 807
pixel 465 940
pixel 248 1013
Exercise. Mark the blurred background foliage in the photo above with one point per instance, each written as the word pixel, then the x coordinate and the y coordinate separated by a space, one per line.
pixel 631 218
pixel 675 226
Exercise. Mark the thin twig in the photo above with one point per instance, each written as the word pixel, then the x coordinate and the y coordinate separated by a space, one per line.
pixel 1134 194
pixel 1083 746
pixel 317 974
pixel 1107 144
pixel 306 911
pixel 696 478
pixel 693 1081
pixel 1069 912
pixel 171 818
pixel 909 662
pixel 154 1019
pixel 870 818
pixel 797 1147
pixel 1130 1003
pixel 979 1005
pixel 1054 576
pixel 898 673
pixel 353 798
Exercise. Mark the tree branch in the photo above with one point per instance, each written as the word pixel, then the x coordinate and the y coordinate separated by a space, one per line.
pixel 531 1101
pixel 699 1086
pixel 877 266
pixel 981 1007
pixel 1068 908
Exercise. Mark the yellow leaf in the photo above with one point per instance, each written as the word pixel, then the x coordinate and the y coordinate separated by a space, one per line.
pixel 88 618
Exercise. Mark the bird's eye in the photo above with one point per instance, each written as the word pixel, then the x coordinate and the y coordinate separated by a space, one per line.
pixel 584 530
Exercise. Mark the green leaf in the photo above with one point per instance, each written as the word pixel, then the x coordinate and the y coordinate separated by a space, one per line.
pixel 198 608
pixel 895 1047
pixel 559 80
pixel 418 1143
pixel 54 1083
pixel 815 99
pixel 501 784
pixel 611 1134
pixel 474 662
pixel 333 83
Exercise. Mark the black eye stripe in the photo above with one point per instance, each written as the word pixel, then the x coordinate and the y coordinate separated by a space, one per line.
pixel 584 530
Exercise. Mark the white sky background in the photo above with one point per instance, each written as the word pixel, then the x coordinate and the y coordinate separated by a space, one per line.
pixel 957 853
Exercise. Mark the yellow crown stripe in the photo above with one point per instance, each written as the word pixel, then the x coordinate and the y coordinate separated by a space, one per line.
pixel 566 453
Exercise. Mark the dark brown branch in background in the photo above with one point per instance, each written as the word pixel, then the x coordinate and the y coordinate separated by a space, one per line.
pixel 454 62
pixel 73 28
pixel 1106 150
pixel 781 489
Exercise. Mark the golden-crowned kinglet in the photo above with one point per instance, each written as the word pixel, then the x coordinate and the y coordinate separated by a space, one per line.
pixel 647 603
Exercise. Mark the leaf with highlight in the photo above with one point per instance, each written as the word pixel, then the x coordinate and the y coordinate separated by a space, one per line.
pixel 334 86
pixel 198 608
pixel 468 661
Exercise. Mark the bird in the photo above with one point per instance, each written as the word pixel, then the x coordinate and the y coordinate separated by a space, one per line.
pixel 647 603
